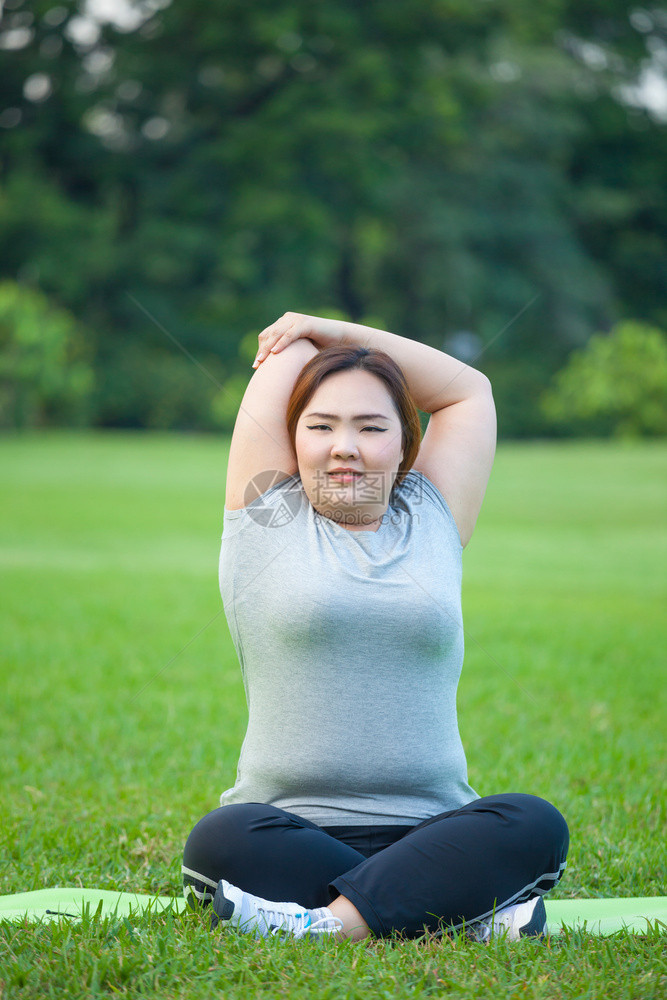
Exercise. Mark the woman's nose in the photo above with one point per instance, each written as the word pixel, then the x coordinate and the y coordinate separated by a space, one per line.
pixel 344 445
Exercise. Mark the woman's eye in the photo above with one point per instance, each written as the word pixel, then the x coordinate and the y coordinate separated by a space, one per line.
pixel 325 427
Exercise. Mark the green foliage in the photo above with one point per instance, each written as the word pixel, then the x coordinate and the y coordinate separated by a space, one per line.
pixel 439 164
pixel 517 386
pixel 148 387
pixel 45 377
pixel 617 384
pixel 226 404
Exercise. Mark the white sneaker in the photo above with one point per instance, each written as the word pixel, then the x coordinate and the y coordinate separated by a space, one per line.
pixel 263 917
pixel 527 919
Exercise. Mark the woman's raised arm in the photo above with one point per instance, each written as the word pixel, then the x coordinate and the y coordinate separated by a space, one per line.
pixel 457 450
pixel 260 442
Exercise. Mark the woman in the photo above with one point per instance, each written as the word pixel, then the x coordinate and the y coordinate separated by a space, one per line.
pixel 340 574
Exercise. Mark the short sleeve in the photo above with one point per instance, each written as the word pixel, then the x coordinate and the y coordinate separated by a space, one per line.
pixel 416 490
pixel 279 504
pixel 232 521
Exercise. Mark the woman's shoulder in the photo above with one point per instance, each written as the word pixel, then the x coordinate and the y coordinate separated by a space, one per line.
pixel 273 499
pixel 416 493
pixel 415 487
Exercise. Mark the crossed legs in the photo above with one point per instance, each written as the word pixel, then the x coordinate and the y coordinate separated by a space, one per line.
pixel 452 869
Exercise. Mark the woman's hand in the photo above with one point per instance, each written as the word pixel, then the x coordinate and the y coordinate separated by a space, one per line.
pixel 293 326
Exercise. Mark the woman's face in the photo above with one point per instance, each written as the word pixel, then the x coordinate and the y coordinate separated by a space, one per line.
pixel 350 423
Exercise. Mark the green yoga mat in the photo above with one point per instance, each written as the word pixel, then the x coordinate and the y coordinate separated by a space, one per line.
pixel 597 916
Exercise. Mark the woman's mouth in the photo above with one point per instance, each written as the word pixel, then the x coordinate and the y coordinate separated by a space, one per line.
pixel 345 475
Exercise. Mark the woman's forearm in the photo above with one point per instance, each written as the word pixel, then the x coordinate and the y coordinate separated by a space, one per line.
pixel 435 379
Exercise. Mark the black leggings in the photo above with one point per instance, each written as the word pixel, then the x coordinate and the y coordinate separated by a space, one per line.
pixel 451 869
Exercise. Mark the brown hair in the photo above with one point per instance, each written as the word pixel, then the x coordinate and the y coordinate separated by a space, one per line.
pixel 343 358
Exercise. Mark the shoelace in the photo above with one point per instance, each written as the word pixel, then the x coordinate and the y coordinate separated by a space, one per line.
pixel 302 925
pixel 277 921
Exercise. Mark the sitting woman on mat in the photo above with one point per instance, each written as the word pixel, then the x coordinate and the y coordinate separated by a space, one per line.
pixel 340 574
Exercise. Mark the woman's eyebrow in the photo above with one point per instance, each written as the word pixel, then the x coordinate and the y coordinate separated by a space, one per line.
pixel 362 416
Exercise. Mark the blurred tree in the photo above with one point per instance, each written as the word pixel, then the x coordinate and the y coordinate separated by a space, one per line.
pixel 44 375
pixel 616 384
pixel 439 165
pixel 147 387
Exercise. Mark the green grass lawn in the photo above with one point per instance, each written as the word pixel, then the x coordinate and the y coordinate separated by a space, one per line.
pixel 123 713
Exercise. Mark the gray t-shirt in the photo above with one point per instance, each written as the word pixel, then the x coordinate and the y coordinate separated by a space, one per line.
pixel 351 647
